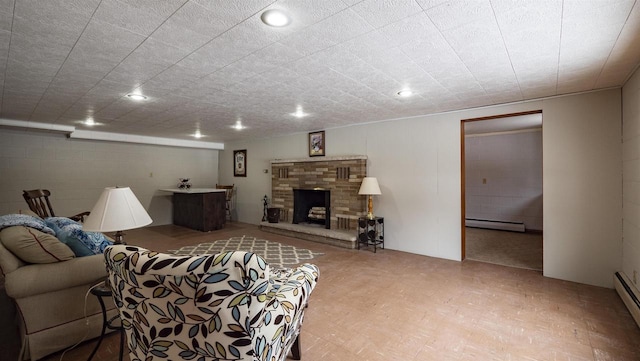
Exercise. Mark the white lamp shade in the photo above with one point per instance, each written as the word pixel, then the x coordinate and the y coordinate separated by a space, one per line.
pixel 369 186
pixel 117 209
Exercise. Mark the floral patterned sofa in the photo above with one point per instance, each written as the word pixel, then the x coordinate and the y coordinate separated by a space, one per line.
pixel 228 306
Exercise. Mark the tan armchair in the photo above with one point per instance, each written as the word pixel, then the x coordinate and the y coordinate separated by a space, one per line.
pixel 50 301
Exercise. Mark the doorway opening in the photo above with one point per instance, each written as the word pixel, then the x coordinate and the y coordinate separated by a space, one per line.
pixel 501 159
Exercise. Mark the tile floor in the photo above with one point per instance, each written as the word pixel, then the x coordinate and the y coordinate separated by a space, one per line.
pixel 399 306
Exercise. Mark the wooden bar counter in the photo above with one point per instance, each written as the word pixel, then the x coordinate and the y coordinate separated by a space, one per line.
pixel 202 209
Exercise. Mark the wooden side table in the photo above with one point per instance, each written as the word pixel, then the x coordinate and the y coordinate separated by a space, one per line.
pixel 371 232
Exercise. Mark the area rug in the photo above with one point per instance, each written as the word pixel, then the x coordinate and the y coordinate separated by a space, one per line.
pixel 276 254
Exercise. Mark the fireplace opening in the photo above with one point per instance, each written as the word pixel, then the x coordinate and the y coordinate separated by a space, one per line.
pixel 312 206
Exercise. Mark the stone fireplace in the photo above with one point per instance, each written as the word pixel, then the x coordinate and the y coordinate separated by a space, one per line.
pixel 330 182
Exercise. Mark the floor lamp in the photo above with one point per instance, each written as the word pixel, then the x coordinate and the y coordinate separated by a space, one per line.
pixel 116 210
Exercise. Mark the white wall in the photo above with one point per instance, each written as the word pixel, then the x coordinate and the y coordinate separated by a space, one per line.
pixel 503 174
pixel 417 162
pixel 76 171
pixel 631 179
pixel 582 180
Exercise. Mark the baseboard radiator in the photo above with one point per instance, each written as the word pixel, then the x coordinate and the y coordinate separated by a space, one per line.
pixel 629 295
pixel 500 225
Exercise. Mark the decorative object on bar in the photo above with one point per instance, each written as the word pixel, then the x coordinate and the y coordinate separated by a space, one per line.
pixel 117 210
pixel 370 188
pixel 184 183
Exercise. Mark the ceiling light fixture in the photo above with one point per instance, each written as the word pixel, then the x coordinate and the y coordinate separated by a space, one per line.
pixel 299 113
pixel 276 18
pixel 90 122
pixel 405 93
pixel 238 125
pixel 197 134
pixel 137 96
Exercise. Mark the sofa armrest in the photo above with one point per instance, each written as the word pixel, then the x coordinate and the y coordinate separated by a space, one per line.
pixel 35 279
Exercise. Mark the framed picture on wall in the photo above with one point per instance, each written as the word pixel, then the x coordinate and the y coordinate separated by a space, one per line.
pixel 240 163
pixel 316 144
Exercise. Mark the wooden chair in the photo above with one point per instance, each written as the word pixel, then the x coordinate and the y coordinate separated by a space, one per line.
pixel 228 197
pixel 38 201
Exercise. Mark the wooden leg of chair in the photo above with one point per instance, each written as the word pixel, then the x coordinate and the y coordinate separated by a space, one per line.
pixel 295 349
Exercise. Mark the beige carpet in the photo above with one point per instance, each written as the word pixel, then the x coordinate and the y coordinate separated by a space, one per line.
pixel 513 249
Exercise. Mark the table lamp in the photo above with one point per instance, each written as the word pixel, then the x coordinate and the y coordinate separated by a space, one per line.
pixel 371 188
pixel 117 210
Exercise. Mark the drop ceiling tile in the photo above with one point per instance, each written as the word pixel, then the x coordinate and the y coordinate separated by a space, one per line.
pixel 96 69
pixel 116 109
pixel 308 41
pixel 59 22
pixel 175 35
pixel 342 26
pixel 171 79
pixel 139 16
pixel 409 30
pixel 623 58
pixel 36 54
pixel 277 54
pixel 309 12
pixel 6 17
pixel 199 63
pixel 397 65
pixel 134 74
pixel 92 45
pixel 233 10
pixel 155 52
pixel 582 58
pixel 5 38
pixel 455 13
pixel 223 79
pixel 381 13
pixel 201 20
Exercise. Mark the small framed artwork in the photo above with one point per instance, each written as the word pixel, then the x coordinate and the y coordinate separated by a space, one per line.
pixel 240 163
pixel 316 144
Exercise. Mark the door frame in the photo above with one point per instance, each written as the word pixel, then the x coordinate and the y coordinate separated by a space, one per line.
pixel 463 166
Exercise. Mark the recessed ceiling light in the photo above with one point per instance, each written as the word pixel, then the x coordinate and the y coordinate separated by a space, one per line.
pixel 90 122
pixel 238 125
pixel 197 134
pixel 137 96
pixel 275 18
pixel 299 113
pixel 405 93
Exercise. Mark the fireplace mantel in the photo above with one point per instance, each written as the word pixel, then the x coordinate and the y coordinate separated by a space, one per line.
pixel 320 159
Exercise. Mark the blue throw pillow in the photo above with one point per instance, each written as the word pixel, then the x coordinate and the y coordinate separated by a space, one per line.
pixel 81 243
pixel 26 220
